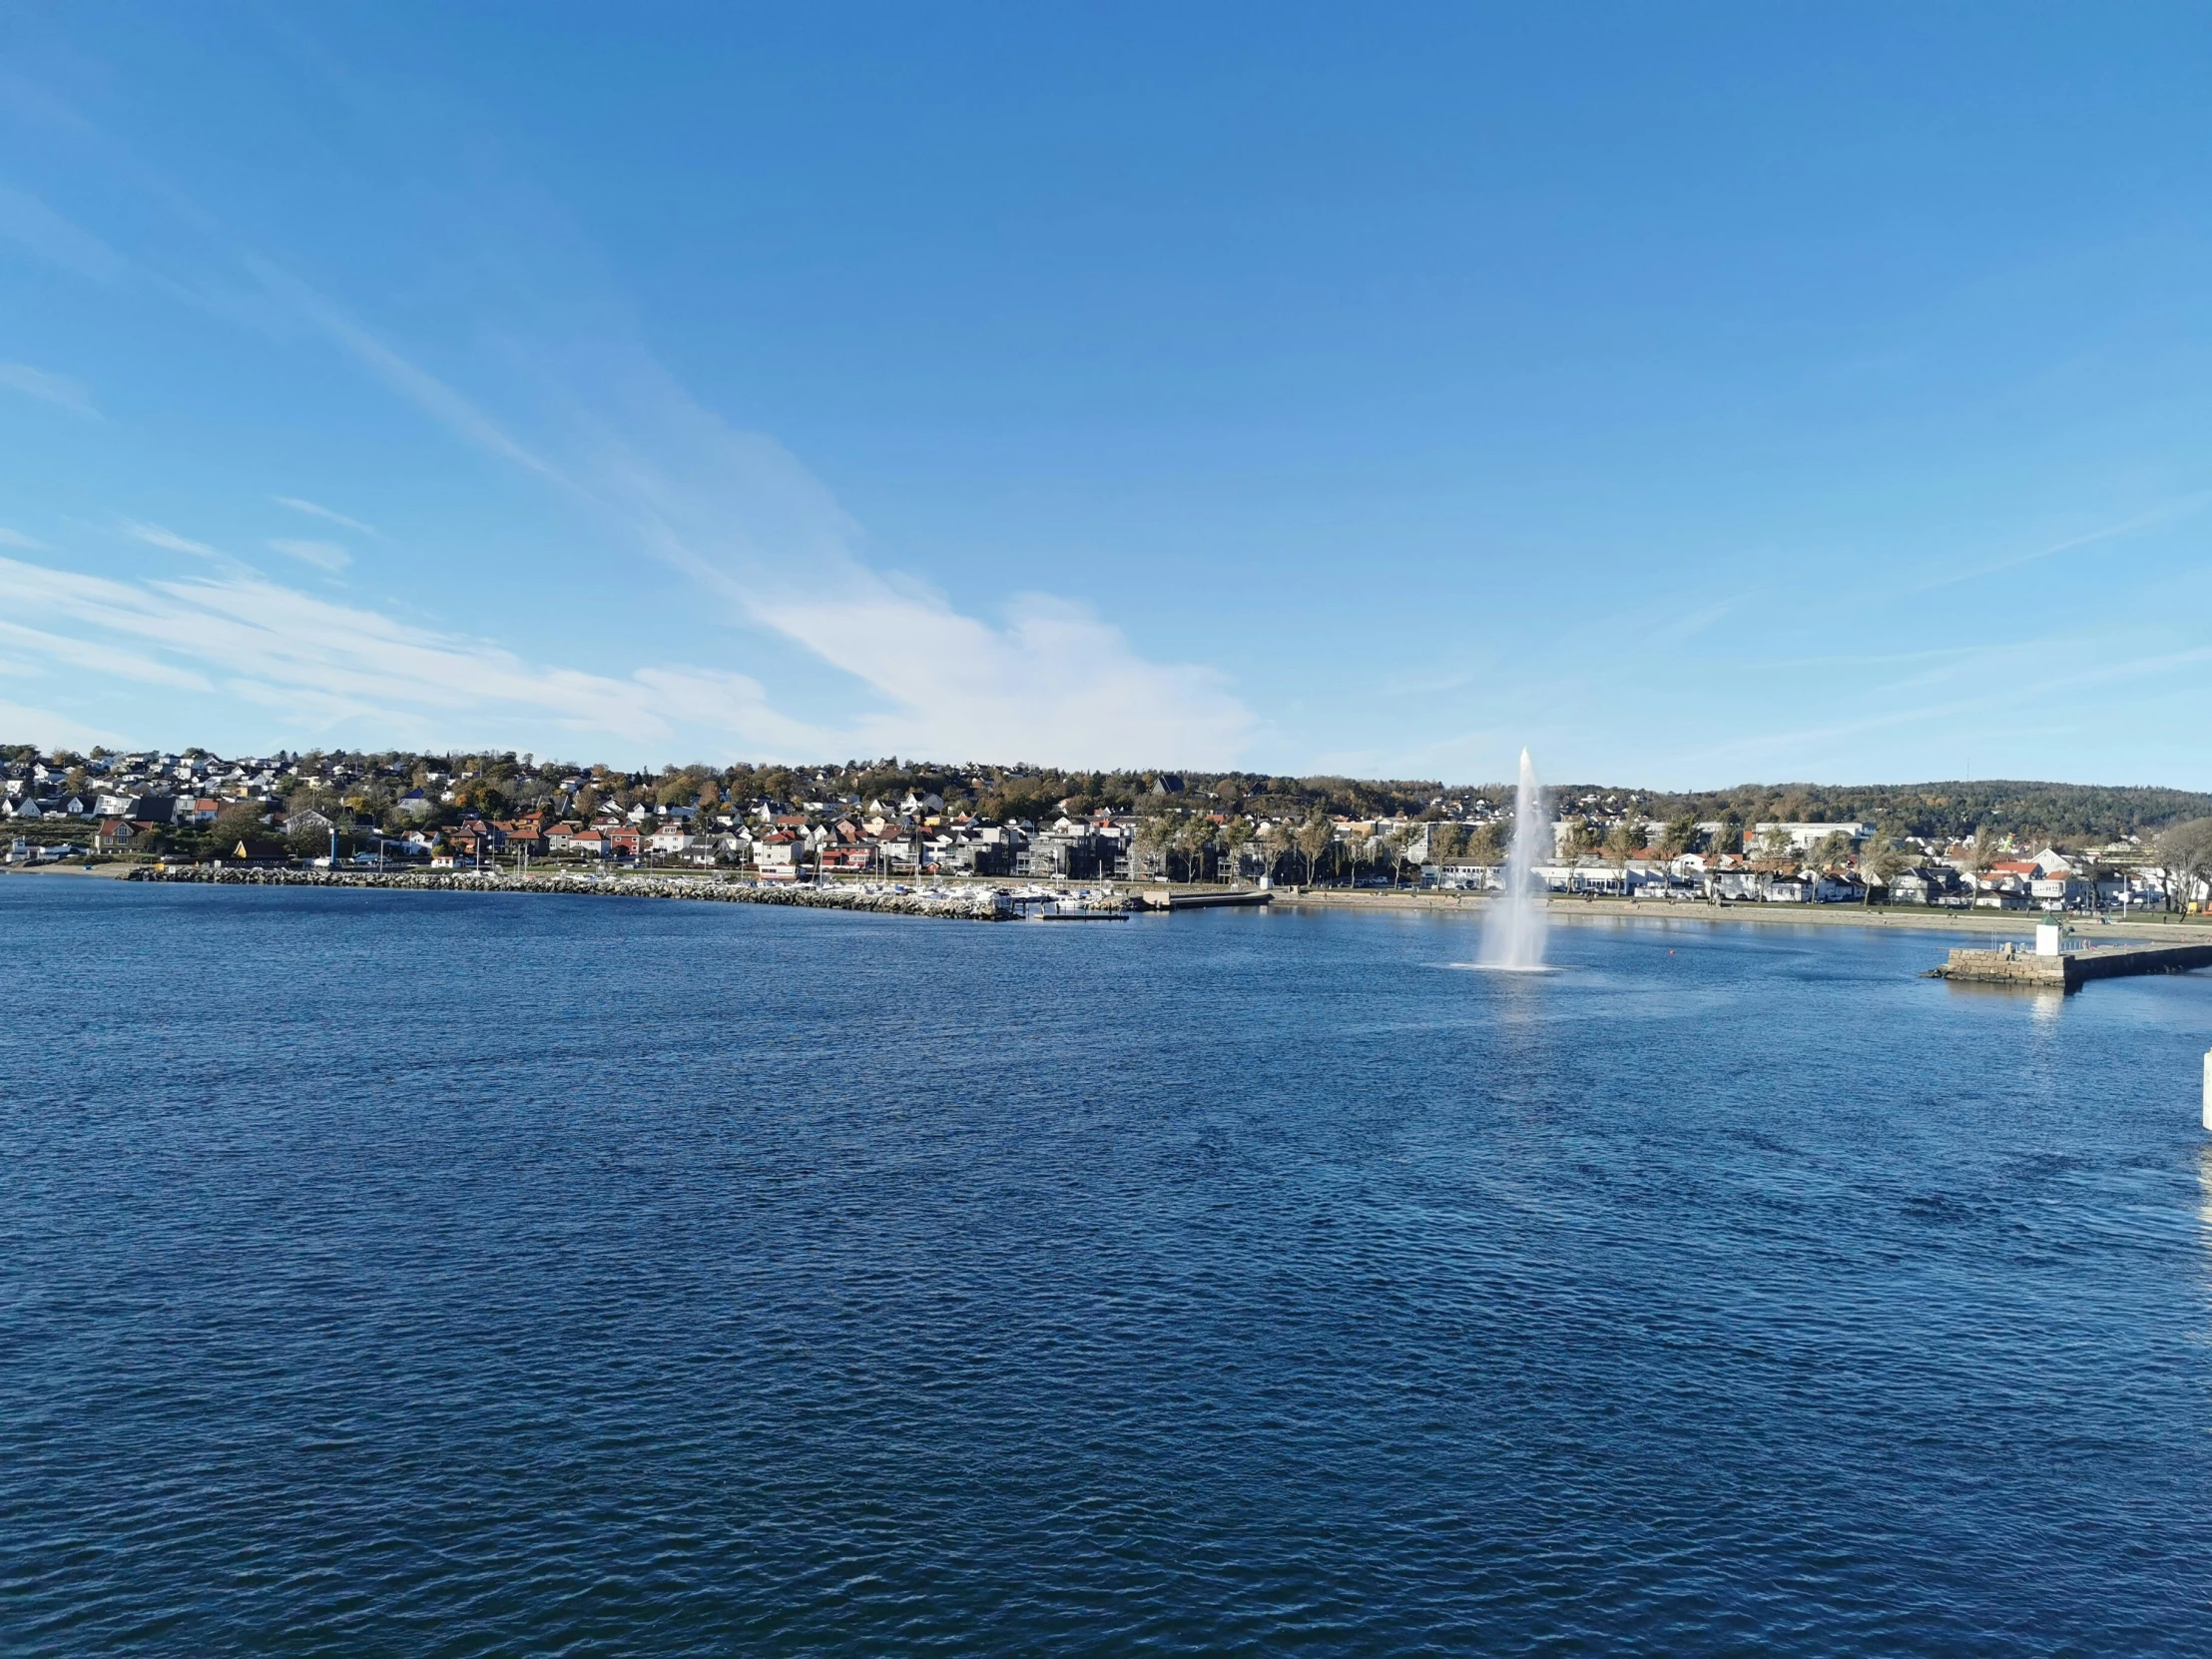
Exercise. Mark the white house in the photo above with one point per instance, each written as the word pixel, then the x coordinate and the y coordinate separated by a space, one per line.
pixel 1805 837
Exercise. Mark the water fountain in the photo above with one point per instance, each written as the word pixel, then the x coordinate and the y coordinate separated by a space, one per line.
pixel 1513 929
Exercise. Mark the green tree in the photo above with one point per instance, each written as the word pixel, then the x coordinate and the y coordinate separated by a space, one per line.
pixel 1194 839
pixel 1154 834
pixel 1834 851
pixel 1622 842
pixel 1680 834
pixel 1235 836
pixel 240 820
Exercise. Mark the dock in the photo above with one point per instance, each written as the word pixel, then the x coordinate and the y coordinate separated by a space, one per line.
pixel 2070 966
pixel 1163 899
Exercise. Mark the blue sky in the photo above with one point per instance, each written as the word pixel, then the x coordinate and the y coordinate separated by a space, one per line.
pixel 1695 396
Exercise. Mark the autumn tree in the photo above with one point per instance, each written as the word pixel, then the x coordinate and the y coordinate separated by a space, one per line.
pixel 2185 849
pixel 1315 836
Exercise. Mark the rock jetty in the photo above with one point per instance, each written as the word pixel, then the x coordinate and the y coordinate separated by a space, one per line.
pixel 2069 970
pixel 948 903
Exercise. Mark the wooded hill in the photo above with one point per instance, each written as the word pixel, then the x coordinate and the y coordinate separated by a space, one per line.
pixel 493 783
pixel 2030 811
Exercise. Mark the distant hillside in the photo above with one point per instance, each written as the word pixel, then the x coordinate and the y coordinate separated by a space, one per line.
pixel 2053 812
pixel 2066 813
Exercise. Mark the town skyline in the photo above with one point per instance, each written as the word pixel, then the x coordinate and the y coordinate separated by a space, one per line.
pixel 1991 846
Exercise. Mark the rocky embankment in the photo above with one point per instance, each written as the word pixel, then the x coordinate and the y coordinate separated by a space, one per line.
pixel 949 904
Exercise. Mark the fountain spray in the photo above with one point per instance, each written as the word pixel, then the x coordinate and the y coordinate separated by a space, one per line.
pixel 1514 930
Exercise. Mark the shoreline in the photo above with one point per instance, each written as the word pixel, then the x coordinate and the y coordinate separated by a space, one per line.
pixel 1917 918
pixel 978 899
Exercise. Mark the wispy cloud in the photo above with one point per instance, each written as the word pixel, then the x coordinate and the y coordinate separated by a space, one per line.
pixel 432 395
pixel 16 538
pixel 2164 513
pixel 32 225
pixel 153 535
pixel 741 515
pixel 1690 623
pixel 323 513
pixel 26 645
pixel 1052 682
pixel 53 388
pixel 324 555
pixel 738 513
pixel 241 636
pixel 613 431
pixel 50 730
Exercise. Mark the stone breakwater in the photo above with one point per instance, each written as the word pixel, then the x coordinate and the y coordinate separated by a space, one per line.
pixel 2071 969
pixel 948 903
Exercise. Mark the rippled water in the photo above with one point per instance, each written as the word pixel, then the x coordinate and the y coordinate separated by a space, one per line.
pixel 428 1274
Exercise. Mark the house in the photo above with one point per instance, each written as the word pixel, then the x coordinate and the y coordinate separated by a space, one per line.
pixel 307 822
pixel 777 857
pixel 1068 852
pixel 1789 889
pixel 524 835
pixel 416 805
pixel 671 839
pixel 2057 893
pixel 1459 877
pixel 1921 886
pixel 113 836
pixel 1805 837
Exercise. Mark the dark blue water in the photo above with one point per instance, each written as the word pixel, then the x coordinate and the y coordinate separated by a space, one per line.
pixel 418 1274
